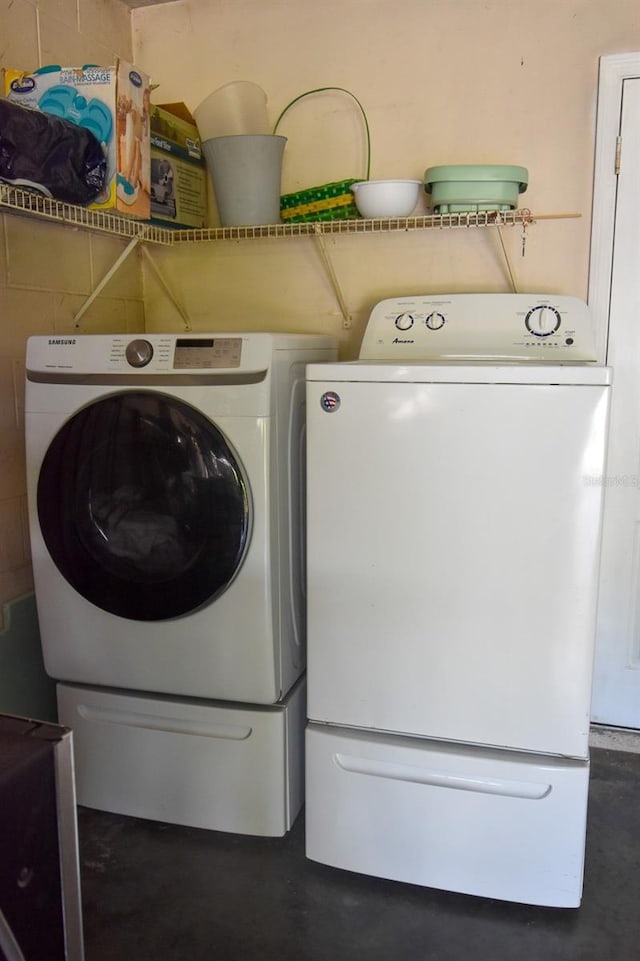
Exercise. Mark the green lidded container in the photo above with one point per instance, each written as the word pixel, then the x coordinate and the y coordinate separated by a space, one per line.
pixel 466 188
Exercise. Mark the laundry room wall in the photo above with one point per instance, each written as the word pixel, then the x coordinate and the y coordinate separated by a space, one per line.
pixel 46 272
pixel 442 81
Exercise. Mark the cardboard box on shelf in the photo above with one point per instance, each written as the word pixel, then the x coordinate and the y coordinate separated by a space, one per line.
pixel 178 171
pixel 113 103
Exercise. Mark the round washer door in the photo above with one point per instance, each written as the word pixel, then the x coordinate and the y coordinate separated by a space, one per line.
pixel 144 507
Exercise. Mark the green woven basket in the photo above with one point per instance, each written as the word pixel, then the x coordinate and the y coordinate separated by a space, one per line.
pixel 329 202
pixel 333 201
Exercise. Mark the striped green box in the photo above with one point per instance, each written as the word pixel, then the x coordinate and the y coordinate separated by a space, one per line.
pixel 332 201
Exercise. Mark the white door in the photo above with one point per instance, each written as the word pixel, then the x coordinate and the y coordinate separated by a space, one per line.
pixel 453 559
pixel 616 692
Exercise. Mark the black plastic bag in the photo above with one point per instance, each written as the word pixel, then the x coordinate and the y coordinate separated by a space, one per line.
pixel 39 151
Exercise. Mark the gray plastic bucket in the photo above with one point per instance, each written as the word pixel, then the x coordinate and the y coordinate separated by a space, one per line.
pixel 246 170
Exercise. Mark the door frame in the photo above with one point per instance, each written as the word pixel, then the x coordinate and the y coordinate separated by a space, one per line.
pixel 613 70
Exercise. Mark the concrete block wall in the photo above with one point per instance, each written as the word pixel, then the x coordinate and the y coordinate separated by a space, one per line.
pixel 47 270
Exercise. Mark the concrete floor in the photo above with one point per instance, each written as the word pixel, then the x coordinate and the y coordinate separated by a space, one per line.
pixel 156 892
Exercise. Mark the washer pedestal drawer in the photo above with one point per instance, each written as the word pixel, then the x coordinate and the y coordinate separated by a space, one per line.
pixel 476 820
pixel 215 765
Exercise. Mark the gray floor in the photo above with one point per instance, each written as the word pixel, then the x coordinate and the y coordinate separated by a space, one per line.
pixel 156 892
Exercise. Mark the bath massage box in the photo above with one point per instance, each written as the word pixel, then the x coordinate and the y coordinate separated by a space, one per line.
pixel 111 102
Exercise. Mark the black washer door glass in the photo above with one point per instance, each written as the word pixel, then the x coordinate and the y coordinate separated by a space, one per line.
pixel 143 506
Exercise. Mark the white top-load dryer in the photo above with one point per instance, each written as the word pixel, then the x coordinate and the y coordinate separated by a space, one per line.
pixel 165 490
pixel 454 515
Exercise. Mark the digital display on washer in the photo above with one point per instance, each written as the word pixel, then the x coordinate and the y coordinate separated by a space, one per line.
pixel 206 352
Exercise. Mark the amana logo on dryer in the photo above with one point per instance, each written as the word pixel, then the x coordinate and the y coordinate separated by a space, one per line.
pixel 61 341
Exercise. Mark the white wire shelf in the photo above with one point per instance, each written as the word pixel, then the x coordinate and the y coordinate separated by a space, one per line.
pixel 32 204
pixel 360 226
pixel 15 200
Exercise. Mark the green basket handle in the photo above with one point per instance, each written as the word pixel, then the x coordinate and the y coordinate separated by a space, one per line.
pixel 342 90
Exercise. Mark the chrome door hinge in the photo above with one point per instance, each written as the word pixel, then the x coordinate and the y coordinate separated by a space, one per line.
pixel 618 155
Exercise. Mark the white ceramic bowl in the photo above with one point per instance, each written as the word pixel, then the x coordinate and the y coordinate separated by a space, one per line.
pixel 386 198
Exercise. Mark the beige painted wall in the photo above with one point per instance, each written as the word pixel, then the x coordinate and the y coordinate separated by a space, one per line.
pixel 442 81
pixel 46 271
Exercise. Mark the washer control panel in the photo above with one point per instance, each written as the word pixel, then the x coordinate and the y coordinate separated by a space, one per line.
pixel 465 327
pixel 150 354
pixel 207 352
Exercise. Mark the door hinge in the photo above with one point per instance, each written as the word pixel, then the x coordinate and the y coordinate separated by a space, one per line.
pixel 618 155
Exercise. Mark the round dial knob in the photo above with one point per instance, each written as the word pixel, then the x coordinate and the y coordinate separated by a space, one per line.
pixel 542 321
pixel 435 321
pixel 404 321
pixel 139 353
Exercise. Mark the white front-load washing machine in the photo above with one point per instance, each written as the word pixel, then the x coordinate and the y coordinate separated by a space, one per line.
pixel 165 494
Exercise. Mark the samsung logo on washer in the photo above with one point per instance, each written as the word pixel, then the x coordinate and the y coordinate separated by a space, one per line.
pixel 61 341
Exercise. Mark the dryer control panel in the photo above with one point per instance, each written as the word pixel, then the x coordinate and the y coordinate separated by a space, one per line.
pixel 481 327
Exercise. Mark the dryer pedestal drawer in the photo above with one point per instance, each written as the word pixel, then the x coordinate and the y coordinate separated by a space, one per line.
pixel 219 766
pixel 500 824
